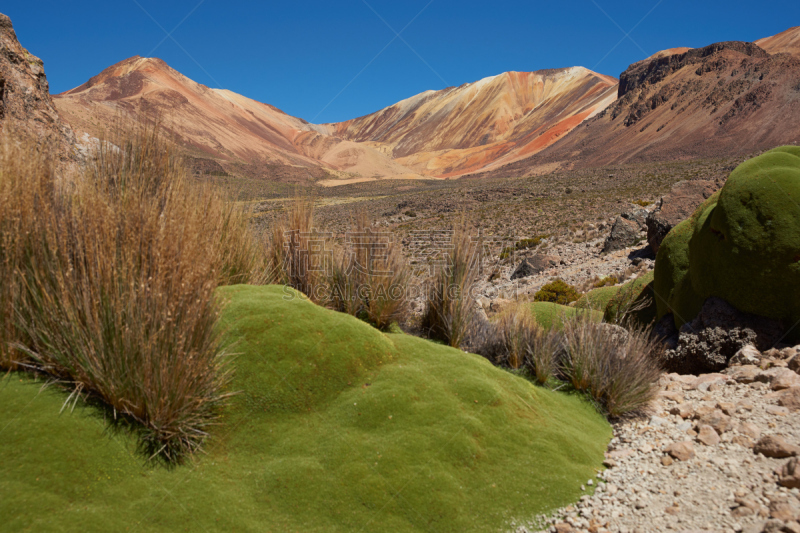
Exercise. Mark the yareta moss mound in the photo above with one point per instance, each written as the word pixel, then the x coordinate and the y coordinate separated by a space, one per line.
pixel 551 315
pixel 742 244
pixel 338 427
pixel 635 296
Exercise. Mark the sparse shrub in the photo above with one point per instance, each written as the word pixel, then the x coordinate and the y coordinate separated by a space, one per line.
pixel 619 371
pixel 115 283
pixel 450 307
pixel 370 277
pixel 643 203
pixel 410 214
pixel 608 281
pixel 557 291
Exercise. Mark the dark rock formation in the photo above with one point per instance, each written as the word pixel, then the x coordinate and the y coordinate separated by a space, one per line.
pixel 708 342
pixel 624 233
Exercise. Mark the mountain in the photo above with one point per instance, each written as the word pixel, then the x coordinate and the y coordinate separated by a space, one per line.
pixel 437 133
pixel 25 102
pixel 218 124
pixel 787 42
pixel 484 124
pixel 721 100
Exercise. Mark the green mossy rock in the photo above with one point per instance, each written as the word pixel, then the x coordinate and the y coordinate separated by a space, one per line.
pixel 742 244
pixel 597 298
pixel 746 248
pixel 672 288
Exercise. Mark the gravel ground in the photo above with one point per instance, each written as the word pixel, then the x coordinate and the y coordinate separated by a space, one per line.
pixel 704 460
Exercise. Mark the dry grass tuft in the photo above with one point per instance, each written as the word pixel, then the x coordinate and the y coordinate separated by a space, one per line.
pixel 113 279
pixel 293 240
pixel 450 306
pixel 370 277
pixel 619 371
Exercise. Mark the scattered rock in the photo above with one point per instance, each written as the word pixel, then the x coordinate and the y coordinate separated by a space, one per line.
pixel 682 451
pixel 789 474
pixel 707 435
pixel 747 355
pixel 775 446
pixel 624 233
pixel 790 399
pixel 534 265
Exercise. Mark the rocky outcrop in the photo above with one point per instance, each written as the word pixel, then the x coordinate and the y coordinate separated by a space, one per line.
pixel 25 102
pixel 715 336
pixel 676 206
pixel 624 233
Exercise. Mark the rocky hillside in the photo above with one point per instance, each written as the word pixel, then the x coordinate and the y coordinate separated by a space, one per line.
pixel 217 124
pixel 25 102
pixel 724 99
pixel 787 42
pixel 482 125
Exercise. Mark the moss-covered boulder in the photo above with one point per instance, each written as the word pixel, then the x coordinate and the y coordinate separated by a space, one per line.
pixel 742 244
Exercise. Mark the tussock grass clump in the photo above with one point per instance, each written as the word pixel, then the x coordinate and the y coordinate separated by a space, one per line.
pixel 617 369
pixel 297 252
pixel 369 277
pixel 516 341
pixel 450 306
pixel 114 282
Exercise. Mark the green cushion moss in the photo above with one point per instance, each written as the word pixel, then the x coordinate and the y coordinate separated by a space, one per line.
pixel 337 427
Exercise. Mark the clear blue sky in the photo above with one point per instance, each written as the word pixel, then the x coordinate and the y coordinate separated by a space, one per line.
pixel 328 61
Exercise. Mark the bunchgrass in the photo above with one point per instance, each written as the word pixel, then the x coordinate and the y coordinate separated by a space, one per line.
pixel 112 282
pixel 618 370
pixel 370 277
pixel 450 306
pixel 297 252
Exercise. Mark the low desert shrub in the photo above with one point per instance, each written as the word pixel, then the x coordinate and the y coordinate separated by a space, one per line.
pixel 608 281
pixel 370 276
pixel 557 291
pixel 450 307
pixel 617 369
pixel 116 274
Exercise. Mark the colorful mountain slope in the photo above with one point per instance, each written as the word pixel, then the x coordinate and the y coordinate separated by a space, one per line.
pixel 484 124
pixel 722 100
pixel 214 123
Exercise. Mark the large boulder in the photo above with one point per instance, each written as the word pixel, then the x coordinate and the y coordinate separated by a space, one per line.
pixel 718 332
pixel 624 233
pixel 676 206
pixel 741 245
pixel 25 102
pixel 534 265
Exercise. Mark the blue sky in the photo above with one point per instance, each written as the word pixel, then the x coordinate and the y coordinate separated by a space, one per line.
pixel 335 60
